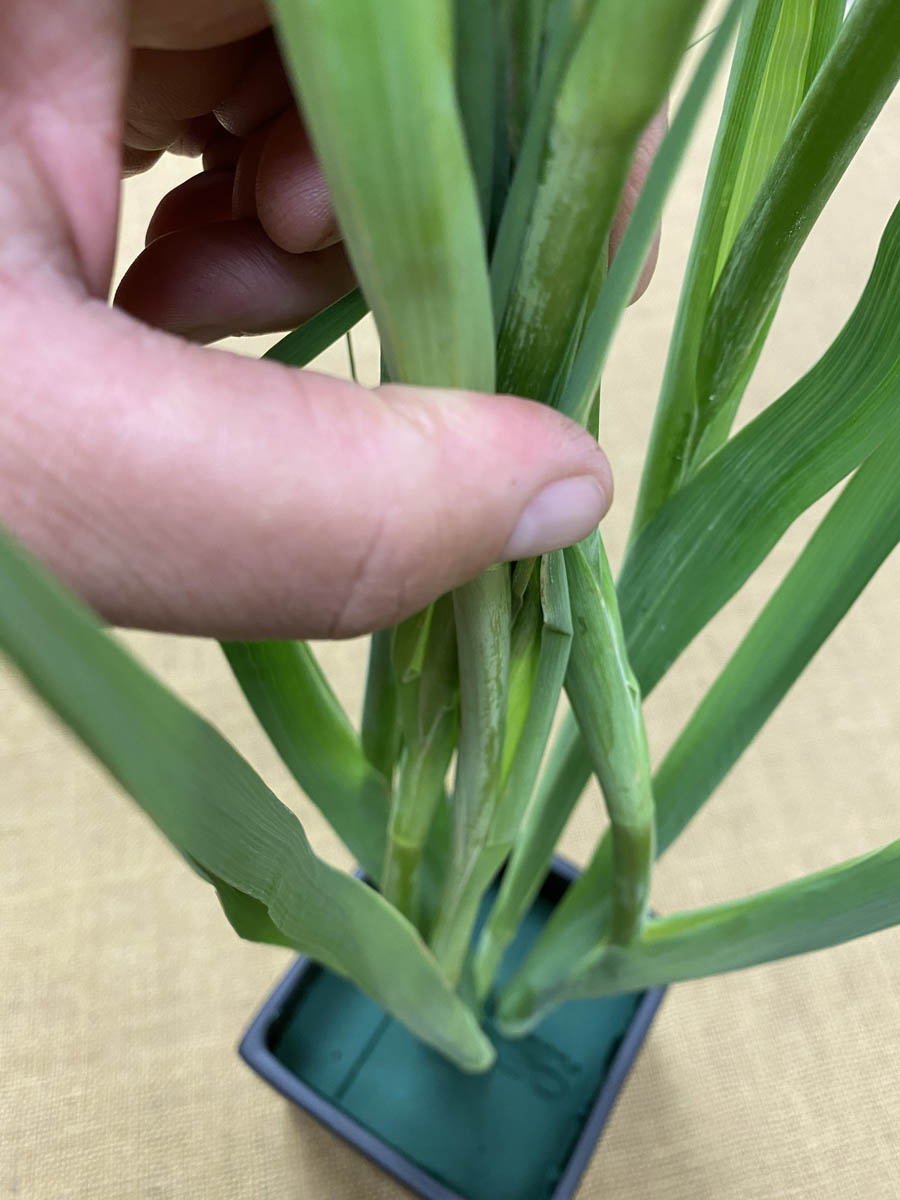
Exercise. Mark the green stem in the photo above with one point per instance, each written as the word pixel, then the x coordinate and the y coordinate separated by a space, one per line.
pixel 555 647
pixel 607 96
pixel 380 727
pixel 482 624
pixel 424 661
pixel 606 701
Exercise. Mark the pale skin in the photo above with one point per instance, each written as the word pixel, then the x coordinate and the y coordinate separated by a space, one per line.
pixel 175 487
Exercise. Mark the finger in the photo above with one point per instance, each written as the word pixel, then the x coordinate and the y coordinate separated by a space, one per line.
pixel 292 199
pixel 261 93
pixel 167 90
pixel 204 199
pixel 213 281
pixel 643 160
pixel 177 25
pixel 205 493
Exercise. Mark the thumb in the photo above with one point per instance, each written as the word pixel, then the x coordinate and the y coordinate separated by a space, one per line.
pixel 199 492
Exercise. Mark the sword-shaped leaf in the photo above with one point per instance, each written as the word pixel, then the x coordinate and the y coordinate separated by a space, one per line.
pixel 779 50
pixel 214 808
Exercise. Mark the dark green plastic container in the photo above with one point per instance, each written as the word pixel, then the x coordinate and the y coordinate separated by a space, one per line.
pixel 523 1131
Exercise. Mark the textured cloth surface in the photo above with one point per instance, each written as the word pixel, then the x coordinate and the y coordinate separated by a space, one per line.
pixel 124 991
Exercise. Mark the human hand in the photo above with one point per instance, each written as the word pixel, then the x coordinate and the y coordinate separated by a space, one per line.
pixel 180 488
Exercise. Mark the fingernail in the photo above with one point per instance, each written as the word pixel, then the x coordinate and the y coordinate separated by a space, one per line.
pixel 561 514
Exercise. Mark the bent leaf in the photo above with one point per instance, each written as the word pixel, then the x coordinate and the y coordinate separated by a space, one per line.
pixel 212 806
pixel 860 530
pixel 848 901
pixel 307 726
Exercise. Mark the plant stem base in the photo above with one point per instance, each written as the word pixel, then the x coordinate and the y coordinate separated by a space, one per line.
pixel 523 1131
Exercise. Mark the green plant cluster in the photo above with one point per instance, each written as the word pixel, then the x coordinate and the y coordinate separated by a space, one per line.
pixel 476 152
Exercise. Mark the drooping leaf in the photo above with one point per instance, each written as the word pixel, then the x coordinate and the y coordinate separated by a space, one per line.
pixel 212 806
pixel 606 701
pixel 307 726
pixel 848 901
pixel 861 529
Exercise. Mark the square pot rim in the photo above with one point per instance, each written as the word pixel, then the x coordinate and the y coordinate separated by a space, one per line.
pixel 256 1052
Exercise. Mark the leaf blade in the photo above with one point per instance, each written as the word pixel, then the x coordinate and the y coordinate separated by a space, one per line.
pixel 207 800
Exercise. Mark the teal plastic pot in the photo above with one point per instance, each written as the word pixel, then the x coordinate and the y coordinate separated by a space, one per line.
pixel 525 1130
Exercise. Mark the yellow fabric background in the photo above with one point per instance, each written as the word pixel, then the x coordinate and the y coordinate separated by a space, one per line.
pixel 124 991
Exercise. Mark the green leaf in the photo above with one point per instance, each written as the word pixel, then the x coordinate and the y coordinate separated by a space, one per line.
pixel 779 46
pixel 848 901
pixel 861 529
pixel 525 23
pixel 581 387
pixel 616 80
pixel 246 915
pixel 299 348
pixel 307 726
pixel 532 854
pixel 477 58
pixel 424 663
pixel 564 24
pixel 606 701
pixel 376 83
pixel 845 98
pixel 380 733
pixel 723 523
pixel 286 688
pixel 482 622
pixel 553 659
pixel 851 900
pixel 829 18
pixel 208 801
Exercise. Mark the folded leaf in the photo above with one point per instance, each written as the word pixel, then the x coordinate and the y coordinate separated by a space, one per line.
pixel 848 901
pixel 617 78
pixel 307 726
pixel 215 809
pixel 376 82
pixel 860 530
